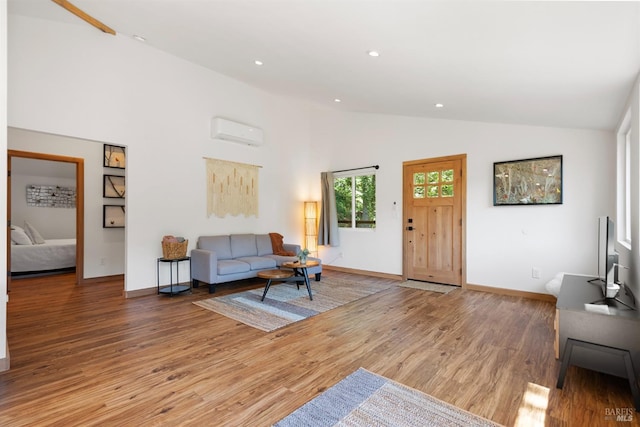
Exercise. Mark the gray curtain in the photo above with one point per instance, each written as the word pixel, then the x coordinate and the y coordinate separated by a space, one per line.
pixel 328 228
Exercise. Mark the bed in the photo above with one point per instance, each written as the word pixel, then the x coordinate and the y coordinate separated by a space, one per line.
pixel 54 254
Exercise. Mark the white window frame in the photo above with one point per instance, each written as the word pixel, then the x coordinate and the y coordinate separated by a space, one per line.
pixel 354 174
pixel 624 171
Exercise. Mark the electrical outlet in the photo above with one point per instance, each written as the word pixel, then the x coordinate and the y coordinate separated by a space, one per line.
pixel 535 273
pixel 102 261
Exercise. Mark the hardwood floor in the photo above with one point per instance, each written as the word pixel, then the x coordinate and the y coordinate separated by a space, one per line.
pixel 85 355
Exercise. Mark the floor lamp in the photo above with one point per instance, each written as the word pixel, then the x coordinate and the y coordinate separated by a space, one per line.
pixel 311 227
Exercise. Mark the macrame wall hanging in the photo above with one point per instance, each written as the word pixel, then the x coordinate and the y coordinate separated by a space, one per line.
pixel 232 188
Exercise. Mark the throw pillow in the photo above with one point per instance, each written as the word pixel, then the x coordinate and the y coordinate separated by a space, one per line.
pixel 19 236
pixel 33 234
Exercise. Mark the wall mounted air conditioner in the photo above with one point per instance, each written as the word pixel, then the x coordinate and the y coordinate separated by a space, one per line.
pixel 236 132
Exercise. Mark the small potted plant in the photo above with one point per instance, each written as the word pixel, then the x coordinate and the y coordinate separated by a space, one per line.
pixel 302 255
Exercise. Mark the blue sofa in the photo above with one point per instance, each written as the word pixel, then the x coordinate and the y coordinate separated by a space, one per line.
pixel 221 259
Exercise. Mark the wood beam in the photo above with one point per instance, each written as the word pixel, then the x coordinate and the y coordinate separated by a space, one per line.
pixel 83 15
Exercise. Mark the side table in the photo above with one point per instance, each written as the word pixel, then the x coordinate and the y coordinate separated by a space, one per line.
pixel 300 272
pixel 173 288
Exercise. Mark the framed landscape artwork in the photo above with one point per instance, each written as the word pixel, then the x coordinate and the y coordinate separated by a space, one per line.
pixel 528 182
pixel 112 216
pixel 115 156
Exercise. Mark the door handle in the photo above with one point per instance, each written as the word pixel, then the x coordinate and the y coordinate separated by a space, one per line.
pixel 410 228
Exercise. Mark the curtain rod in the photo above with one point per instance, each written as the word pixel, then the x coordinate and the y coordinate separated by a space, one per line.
pixel 356 169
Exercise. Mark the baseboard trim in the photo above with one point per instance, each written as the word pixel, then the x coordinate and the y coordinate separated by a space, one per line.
pixel 363 272
pixel 469 286
pixel 511 292
pixel 103 279
pixel 141 292
pixel 4 363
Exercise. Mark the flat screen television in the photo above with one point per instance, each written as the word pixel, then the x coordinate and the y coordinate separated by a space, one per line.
pixel 608 263
pixel 607 255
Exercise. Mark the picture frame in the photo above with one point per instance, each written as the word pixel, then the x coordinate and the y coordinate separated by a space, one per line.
pixel 113 216
pixel 115 156
pixel 113 187
pixel 536 181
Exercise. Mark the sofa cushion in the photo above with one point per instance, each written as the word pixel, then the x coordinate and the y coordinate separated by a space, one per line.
pixel 263 242
pixel 220 244
pixel 231 266
pixel 279 259
pixel 243 245
pixel 258 262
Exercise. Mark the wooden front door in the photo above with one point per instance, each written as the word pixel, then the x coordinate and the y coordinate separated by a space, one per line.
pixel 434 194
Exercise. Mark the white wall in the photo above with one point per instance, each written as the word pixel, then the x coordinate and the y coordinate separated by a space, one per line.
pixel 51 222
pixel 630 256
pixel 3 183
pixel 503 243
pixel 74 80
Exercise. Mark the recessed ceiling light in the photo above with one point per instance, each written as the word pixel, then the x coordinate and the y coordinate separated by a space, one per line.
pixel 139 38
pixel 337 100
pixel 258 62
pixel 438 105
pixel 373 53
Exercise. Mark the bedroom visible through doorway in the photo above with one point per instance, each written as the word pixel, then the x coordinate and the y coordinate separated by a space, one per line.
pixel 51 253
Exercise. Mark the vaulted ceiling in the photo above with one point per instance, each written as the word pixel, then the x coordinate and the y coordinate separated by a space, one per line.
pixel 565 64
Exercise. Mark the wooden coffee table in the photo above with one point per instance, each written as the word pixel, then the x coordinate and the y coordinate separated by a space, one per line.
pixel 271 275
pixel 300 272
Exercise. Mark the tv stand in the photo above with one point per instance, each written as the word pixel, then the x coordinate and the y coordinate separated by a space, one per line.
pixel 609 301
pixel 617 329
pixel 631 300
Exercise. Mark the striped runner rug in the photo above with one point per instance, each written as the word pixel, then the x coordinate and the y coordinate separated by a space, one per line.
pixel 285 304
pixel 366 399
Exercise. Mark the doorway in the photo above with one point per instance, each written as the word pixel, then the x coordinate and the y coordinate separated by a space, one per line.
pixel 79 225
pixel 434 205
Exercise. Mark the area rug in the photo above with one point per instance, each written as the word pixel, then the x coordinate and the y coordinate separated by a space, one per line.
pixel 428 286
pixel 366 399
pixel 285 304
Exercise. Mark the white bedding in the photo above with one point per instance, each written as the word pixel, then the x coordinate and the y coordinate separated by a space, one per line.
pixel 52 255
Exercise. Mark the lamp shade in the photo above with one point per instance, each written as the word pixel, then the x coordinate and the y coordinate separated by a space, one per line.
pixel 310 210
pixel 311 226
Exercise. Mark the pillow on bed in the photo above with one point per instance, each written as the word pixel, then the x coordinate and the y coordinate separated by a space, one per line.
pixel 33 234
pixel 19 236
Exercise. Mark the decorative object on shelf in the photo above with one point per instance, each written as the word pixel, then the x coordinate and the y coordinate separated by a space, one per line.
pixel 232 188
pixel 112 216
pixel 113 187
pixel 302 255
pixel 311 226
pixel 51 196
pixel 528 182
pixel 174 247
pixel 115 156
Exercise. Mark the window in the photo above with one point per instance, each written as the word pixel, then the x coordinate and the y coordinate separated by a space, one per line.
pixel 624 181
pixel 433 184
pixel 355 200
pixel 627 187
